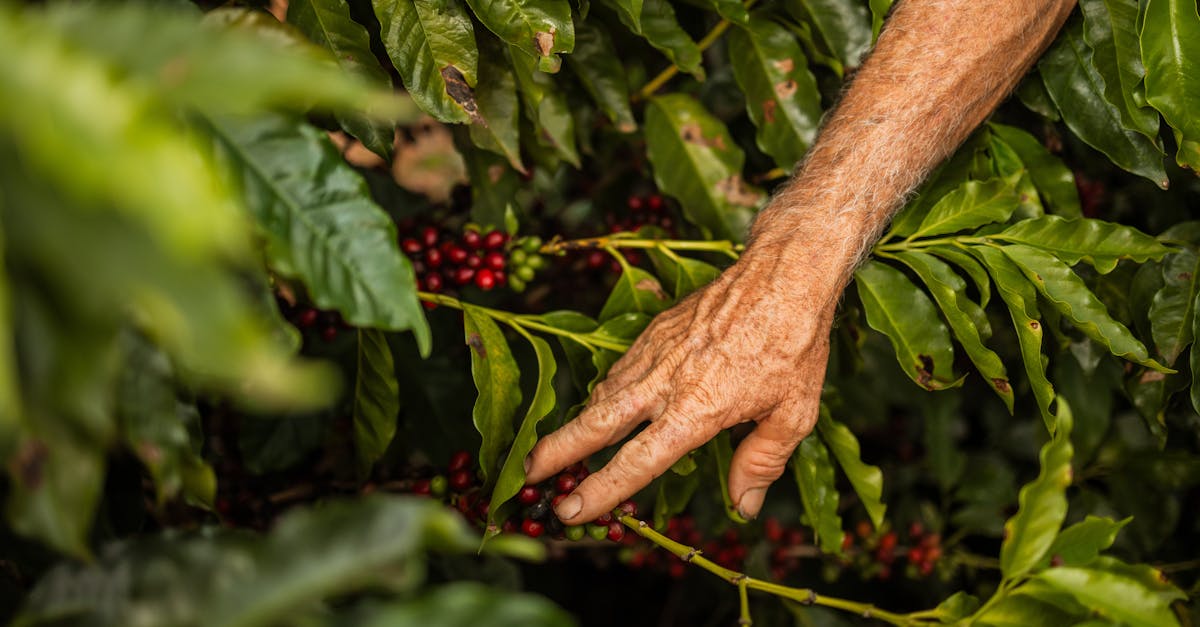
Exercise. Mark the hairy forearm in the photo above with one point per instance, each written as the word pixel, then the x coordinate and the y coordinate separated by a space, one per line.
pixel 940 68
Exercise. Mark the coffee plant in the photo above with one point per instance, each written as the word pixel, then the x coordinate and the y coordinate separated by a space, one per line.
pixel 288 294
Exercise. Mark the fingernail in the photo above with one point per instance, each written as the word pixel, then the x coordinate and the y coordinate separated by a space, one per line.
pixel 751 502
pixel 569 507
pixel 528 463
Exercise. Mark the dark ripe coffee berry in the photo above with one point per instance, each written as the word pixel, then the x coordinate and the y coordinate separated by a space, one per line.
pixel 529 495
pixel 554 526
pixel 459 461
pixel 485 279
pixel 915 555
pixel 916 530
pixel 433 258
pixel 438 485
pixel 422 487
pixel 494 240
pixel 474 262
pixel 604 518
pixel 635 203
pixel 597 532
pixel 495 260
pixel 461 480
pixel 532 528
pixel 887 542
pixel 773 530
pixel 628 508
pixel 501 278
pixel 863 529
pixel 429 236
pixel 462 276
pixel 539 510
pixel 510 526
pixel 597 260
pixel 1056 560
pixel 616 531
pixel 565 483
pixel 433 283
pixel 456 254
pixel 329 334
pixel 410 246
pixel 472 239
pixel 654 202
pixel 558 498
pixel 307 318
pixel 575 533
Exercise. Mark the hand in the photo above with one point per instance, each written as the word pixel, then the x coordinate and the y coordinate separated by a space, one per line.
pixel 751 346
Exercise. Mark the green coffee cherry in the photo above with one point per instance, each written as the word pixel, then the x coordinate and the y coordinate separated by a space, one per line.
pixel 598 532
pixel 575 533
pixel 517 257
pixel 536 262
pixel 525 273
pixel 531 244
pixel 438 485
pixel 515 283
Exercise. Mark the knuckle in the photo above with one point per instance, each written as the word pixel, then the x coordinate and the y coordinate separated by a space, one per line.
pixel 764 468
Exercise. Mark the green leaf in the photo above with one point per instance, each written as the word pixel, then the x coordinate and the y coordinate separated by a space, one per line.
pixel 545 106
pixel 376 398
pixel 722 453
pixel 494 183
pixel 467 604
pixel 867 480
pixel 596 64
pixel 781 93
pixel 1134 595
pixel 904 313
pixel 844 27
pixel 10 397
pixel 497 129
pixel 696 161
pixel 1194 357
pixel 1070 296
pixel 732 10
pixel 942 428
pixel 1029 534
pixel 656 23
pixel 879 10
pixel 1098 243
pixel 675 491
pixel 321 224
pixel 636 291
pixel 683 274
pixel 578 355
pixel 1081 543
pixel 155 424
pixel 540 29
pixel 1078 92
pixel 1054 180
pixel 964 165
pixel 512 473
pixel 1032 93
pixel 329 25
pixel 966 263
pixel 1173 309
pixel 971 205
pixel 1021 298
pixel 1170 41
pixel 1109 28
pixel 818 492
pixel 56 485
pixel 497 380
pixel 964 317
pixel 432 45
pixel 1018 610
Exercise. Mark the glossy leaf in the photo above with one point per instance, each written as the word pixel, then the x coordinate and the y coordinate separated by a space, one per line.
pixel 467 604
pixel 971 205
pixel 1070 296
pixel 658 25
pixel 904 313
pixel 321 224
pixel 781 93
pixel 1098 243
pixel 1029 534
pixel 1109 29
pixel 1020 296
pixel 497 127
pixel 963 166
pixel 813 471
pixel 596 64
pixel 1019 610
pixel 636 291
pixel 732 10
pixel 1081 543
pixel 964 317
pixel 867 480
pixel 1173 310
pixel 376 398
pixel 541 29
pixel 328 24
pixel 1055 182
pixel 968 264
pixel 432 45
pixel 844 27
pixel 512 472
pixel 696 161
pixel 1134 596
pixel 497 379
pixel 684 274
pixel 545 106
pixel 1170 41
pixel 1077 89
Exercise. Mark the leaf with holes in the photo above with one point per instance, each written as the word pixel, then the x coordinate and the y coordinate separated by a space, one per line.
pixel 432 45
pixel 541 29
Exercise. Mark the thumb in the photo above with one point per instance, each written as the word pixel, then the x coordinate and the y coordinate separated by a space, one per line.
pixel 762 456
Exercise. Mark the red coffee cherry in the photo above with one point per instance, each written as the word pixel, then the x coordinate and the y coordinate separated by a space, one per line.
pixel 461 480
pixel 494 240
pixel 529 495
pixel 565 483
pixel 472 240
pixel 410 246
pixel 459 460
pixel 616 531
pixel 429 236
pixel 484 279
pixel 532 528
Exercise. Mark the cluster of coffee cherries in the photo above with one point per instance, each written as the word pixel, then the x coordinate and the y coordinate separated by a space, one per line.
pixel 444 260
pixel 643 210
pixel 729 549
pixel 308 319
pixel 876 553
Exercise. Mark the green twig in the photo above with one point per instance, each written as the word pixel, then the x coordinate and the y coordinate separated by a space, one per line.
pixel 656 83
pixel 559 246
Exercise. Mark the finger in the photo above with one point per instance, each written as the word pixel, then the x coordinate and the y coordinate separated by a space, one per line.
pixel 639 461
pixel 600 425
pixel 762 456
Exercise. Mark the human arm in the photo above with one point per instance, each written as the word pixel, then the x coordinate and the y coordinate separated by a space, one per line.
pixel 753 345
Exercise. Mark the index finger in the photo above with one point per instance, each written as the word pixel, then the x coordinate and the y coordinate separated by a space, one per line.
pixel 635 465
